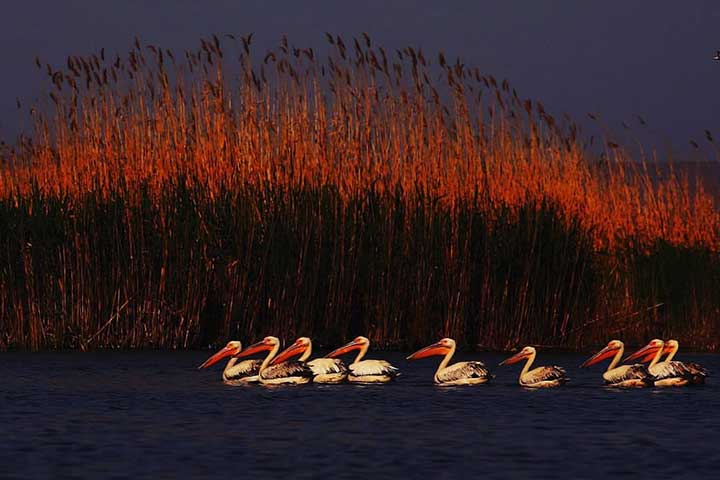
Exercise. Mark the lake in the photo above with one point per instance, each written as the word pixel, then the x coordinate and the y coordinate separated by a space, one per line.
pixel 153 415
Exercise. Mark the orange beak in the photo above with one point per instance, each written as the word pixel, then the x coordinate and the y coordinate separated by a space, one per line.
pixel 344 349
pixel 436 348
pixel 514 359
pixel 254 348
pixel 606 352
pixel 291 351
pixel 648 357
pixel 651 355
pixel 647 352
pixel 223 353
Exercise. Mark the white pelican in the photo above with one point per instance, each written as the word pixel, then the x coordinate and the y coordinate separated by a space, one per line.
pixel 625 375
pixel 325 370
pixel 697 371
pixel 365 371
pixel 540 377
pixel 235 373
pixel 460 373
pixel 285 372
pixel 669 373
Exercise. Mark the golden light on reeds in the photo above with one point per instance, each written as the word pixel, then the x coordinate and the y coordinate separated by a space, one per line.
pixel 284 191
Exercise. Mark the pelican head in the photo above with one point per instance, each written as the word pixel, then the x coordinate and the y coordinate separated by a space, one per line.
pixel 526 352
pixel 232 349
pixel 267 343
pixel 670 346
pixel 648 350
pixel 610 349
pixel 438 348
pixel 299 347
pixel 356 344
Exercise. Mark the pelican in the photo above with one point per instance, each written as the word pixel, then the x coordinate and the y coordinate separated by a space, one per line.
pixel 235 373
pixel 625 375
pixel 365 371
pixel 460 373
pixel 325 370
pixel 540 377
pixel 669 373
pixel 697 371
pixel 285 372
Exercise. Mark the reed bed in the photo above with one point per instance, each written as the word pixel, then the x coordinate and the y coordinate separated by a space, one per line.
pixel 174 201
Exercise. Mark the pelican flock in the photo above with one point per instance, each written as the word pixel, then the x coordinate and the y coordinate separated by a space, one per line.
pixel 282 368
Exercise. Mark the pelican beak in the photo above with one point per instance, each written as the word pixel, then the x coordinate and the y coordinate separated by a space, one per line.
pixel 343 350
pixel 599 357
pixel 260 346
pixel 291 351
pixel 666 349
pixel 514 359
pixel 648 350
pixel 436 348
pixel 223 353
pixel 649 357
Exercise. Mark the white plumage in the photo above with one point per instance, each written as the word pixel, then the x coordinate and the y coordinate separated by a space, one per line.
pixel 461 373
pixel 365 371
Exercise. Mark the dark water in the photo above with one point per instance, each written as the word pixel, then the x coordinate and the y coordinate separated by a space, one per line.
pixel 153 415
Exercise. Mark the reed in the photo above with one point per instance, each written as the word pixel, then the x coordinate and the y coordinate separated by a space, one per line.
pixel 173 201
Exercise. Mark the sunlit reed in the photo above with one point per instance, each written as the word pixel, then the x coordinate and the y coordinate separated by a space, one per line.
pixel 174 200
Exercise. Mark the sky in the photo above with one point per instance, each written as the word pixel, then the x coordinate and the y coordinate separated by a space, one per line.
pixel 614 58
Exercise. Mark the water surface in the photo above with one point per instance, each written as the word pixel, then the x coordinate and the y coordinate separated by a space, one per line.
pixel 123 415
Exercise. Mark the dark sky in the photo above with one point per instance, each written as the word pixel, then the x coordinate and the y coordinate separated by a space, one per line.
pixel 616 57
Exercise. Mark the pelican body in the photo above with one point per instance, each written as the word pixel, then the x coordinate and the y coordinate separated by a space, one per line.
pixel 460 373
pixel 669 373
pixel 235 373
pixel 697 371
pixel 365 371
pixel 288 372
pixel 624 375
pixel 540 377
pixel 325 370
